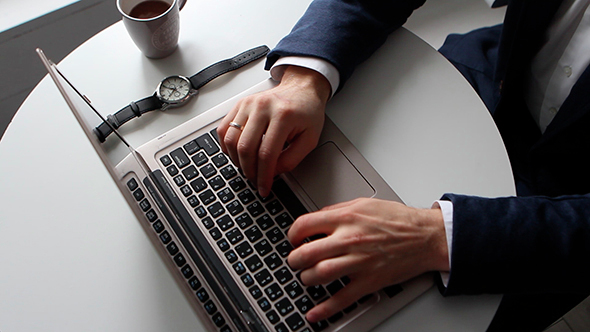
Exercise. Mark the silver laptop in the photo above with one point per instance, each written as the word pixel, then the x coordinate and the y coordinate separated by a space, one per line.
pixel 227 247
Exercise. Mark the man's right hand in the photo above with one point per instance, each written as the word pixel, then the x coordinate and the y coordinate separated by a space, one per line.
pixel 280 126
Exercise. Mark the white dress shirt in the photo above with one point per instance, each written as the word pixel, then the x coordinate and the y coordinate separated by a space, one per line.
pixel 554 70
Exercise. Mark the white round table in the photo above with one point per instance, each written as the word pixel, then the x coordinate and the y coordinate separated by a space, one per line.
pixel 74 257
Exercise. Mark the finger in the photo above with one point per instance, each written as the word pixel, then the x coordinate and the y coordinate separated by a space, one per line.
pixel 330 269
pixel 249 144
pixel 298 148
pixel 342 299
pixel 314 223
pixel 232 137
pixel 269 152
pixel 311 254
pixel 224 125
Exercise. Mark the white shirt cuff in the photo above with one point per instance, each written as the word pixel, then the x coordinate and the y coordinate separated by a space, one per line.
pixel 446 208
pixel 321 66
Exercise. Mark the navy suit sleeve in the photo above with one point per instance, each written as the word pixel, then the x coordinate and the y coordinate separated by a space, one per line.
pixel 343 32
pixel 520 245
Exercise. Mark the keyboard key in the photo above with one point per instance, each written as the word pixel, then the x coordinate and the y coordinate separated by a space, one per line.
pixel 336 317
pixel 304 304
pixel 200 159
pixel 283 275
pixel 228 172
pixel 217 183
pixel 219 160
pixel 210 307
pixel 264 304
pixel 293 289
pixel 172 248
pixel 234 208
pixel 263 247
pixel 247 280
pixel 200 211
pixel 281 328
pixel 206 143
pixel 151 215
pixel 191 147
pixel 263 277
pixel 316 292
pixel 239 268
pixel 273 317
pixel 218 320
pixel 255 209
pixel 179 180
pixel 284 220
pixel 237 184
pixel 208 222
pixel 234 236
pixel 253 234
pixel 187 272
pixel 186 190
pixel 393 290
pixel 165 237
pixel 179 260
pixel 284 248
pixel 295 322
pixel 274 292
pixel 246 197
pixel 350 308
pixel 244 249
pixel 273 261
pixel 216 210
pixel 284 307
pixel 199 184
pixel 365 298
pixel 180 158
pixel 172 170
pixel 138 194
pixel 225 222
pixel 208 171
pixel 215 233
pixel 190 172
pixel 158 226
pixel 265 222
pixel 225 195
pixel 202 295
pixel 193 201
pixel 194 283
pixel 243 220
pixel 334 287
pixel 253 263
pixel 145 205
pixel 275 235
pixel 290 201
pixel 223 245
pixel 231 256
pixel 165 160
pixel 207 197
pixel 132 184
pixel 274 207
pixel 255 292
pixel 319 326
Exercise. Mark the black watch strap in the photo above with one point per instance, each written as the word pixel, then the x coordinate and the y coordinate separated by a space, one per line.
pixel 134 109
pixel 208 74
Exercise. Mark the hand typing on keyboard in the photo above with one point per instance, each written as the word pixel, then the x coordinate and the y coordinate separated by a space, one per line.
pixel 374 243
pixel 271 132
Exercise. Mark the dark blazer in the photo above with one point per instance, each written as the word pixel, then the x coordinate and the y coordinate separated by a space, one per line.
pixel 537 243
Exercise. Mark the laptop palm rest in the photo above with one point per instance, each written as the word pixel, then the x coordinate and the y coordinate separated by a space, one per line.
pixel 328 177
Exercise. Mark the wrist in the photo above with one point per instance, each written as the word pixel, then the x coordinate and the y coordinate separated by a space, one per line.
pixel 308 79
pixel 438 257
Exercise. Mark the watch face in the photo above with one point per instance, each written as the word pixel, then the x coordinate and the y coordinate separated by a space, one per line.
pixel 174 89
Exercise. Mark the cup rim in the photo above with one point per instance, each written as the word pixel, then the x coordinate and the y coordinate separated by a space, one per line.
pixel 145 19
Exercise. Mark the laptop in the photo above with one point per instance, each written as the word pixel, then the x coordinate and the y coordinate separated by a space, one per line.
pixel 225 245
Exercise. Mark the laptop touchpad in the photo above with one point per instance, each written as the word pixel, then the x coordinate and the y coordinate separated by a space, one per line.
pixel 328 177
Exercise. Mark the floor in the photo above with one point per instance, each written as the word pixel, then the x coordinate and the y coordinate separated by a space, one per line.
pixel 61 29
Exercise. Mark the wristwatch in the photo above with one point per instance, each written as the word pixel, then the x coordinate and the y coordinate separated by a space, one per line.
pixel 175 91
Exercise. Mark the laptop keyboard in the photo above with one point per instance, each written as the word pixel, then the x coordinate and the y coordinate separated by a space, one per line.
pixel 250 231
